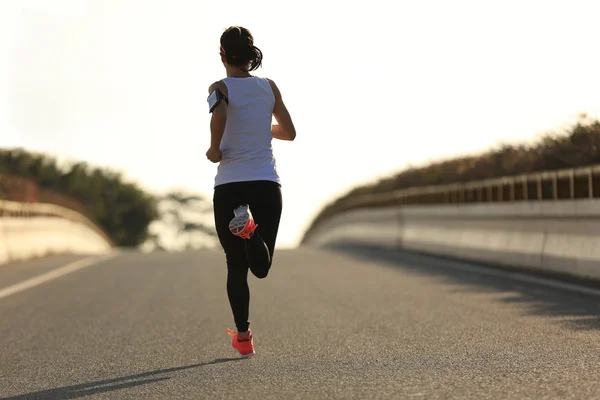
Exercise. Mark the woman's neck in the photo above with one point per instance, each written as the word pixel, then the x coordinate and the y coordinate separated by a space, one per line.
pixel 237 73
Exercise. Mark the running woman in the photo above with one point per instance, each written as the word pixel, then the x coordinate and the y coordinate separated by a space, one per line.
pixel 247 197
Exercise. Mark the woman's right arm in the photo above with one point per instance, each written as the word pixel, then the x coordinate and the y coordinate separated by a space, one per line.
pixel 285 129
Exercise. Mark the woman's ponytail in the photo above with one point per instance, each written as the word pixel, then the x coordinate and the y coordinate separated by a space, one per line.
pixel 256 60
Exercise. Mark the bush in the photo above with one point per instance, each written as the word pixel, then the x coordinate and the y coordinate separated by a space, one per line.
pixel 121 209
pixel 578 147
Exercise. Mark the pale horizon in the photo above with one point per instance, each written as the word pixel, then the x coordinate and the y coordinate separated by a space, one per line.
pixel 372 88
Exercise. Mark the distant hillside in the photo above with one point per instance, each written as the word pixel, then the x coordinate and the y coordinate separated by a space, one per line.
pixel 577 147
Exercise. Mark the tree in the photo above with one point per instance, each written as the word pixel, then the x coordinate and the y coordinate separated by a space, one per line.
pixel 185 222
pixel 121 209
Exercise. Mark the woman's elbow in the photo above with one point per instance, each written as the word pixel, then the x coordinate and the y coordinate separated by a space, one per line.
pixel 290 133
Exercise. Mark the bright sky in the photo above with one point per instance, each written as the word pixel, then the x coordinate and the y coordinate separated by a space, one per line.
pixel 372 85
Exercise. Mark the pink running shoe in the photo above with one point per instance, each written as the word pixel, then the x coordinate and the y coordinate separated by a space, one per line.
pixel 244 346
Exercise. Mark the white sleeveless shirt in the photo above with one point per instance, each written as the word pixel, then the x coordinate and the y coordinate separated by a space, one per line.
pixel 246 144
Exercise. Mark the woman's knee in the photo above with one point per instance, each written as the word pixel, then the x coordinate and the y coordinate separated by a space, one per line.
pixel 261 274
pixel 261 271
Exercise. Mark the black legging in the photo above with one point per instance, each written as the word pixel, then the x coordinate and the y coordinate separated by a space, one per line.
pixel 256 254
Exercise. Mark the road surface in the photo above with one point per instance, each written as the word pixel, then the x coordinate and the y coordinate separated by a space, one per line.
pixel 328 325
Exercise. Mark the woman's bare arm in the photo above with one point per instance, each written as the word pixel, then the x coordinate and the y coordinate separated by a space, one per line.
pixel 285 129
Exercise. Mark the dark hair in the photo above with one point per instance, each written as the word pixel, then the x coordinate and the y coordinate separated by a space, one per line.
pixel 237 46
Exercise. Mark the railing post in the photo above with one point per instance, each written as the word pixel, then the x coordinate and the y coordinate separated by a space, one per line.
pixel 512 189
pixel 572 185
pixel 591 183
pixel 540 195
pixel 554 186
pixel 525 194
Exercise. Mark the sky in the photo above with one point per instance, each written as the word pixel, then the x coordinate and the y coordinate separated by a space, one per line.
pixel 372 87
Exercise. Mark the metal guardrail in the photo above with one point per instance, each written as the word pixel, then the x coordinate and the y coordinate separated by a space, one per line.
pixel 28 210
pixel 572 183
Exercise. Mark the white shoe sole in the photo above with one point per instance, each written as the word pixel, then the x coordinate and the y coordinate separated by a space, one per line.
pixel 238 223
pixel 243 355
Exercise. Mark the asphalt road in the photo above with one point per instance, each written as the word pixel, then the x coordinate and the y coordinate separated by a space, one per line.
pixel 328 324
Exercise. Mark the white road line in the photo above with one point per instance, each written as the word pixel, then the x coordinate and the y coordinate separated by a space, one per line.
pixel 57 273
pixel 464 267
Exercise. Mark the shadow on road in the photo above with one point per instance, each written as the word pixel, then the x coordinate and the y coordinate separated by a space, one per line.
pixel 578 311
pixel 109 385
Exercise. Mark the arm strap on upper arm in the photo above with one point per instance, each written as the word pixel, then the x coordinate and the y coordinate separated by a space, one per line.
pixel 214 98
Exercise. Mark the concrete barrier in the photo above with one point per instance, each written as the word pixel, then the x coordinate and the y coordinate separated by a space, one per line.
pixel 375 227
pixel 34 230
pixel 552 236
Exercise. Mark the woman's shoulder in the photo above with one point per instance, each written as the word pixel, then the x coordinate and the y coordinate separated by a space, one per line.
pixel 220 84
pixel 274 88
pixel 273 85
